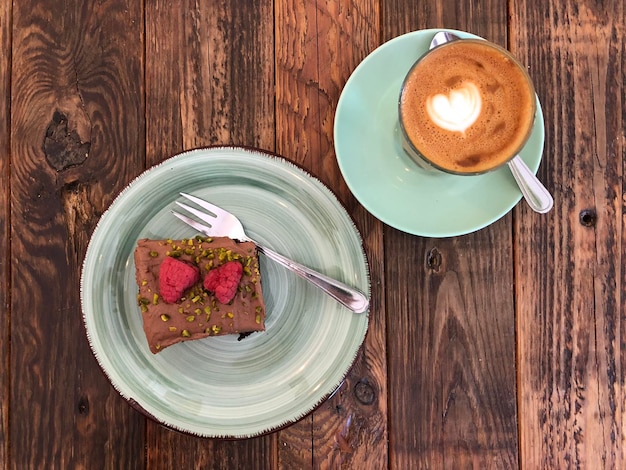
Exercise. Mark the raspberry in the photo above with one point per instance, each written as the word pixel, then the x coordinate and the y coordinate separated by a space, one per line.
pixel 175 277
pixel 223 281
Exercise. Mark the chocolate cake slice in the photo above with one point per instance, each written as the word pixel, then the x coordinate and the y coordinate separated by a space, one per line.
pixel 179 307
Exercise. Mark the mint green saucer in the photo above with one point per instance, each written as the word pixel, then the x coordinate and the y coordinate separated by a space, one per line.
pixel 386 181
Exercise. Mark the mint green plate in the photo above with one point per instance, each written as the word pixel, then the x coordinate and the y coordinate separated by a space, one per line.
pixel 386 181
pixel 219 386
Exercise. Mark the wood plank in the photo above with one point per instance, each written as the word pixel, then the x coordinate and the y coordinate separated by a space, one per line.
pixel 209 76
pixel 318 46
pixel 453 326
pixel 570 272
pixel 486 18
pixel 209 81
pixel 76 140
pixel 5 324
pixel 452 390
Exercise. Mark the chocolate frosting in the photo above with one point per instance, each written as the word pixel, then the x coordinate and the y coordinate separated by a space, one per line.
pixel 197 314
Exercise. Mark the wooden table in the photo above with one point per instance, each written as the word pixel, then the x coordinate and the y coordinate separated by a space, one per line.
pixel 503 348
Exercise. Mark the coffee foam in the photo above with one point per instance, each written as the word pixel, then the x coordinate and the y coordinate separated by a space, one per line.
pixel 474 138
pixel 457 110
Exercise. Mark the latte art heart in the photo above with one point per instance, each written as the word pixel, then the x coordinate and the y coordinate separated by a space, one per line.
pixel 457 110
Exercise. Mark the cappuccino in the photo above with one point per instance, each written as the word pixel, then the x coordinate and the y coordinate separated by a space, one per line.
pixel 466 107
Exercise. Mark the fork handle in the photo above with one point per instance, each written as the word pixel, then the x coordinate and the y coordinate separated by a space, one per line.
pixel 351 298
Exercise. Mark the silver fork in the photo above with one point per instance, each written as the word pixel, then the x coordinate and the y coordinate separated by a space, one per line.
pixel 224 224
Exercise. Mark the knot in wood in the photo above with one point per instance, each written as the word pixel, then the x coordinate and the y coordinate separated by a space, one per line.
pixel 433 259
pixel 588 217
pixel 83 406
pixel 364 392
pixel 63 146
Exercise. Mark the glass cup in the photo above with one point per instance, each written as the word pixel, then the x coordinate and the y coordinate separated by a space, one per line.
pixel 466 107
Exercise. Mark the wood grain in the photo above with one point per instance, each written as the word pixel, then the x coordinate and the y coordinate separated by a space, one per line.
pixel 5 323
pixel 453 337
pixel 570 265
pixel 209 76
pixel 451 313
pixel 209 81
pixel 320 44
pixel 74 75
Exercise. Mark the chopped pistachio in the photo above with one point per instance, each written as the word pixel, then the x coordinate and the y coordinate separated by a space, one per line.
pixel 190 318
pixel 185 333
pixel 225 255
pixel 155 298
pixel 172 328
pixel 165 317
pixel 154 254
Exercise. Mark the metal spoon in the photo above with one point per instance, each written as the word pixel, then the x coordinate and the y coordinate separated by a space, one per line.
pixel 537 196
